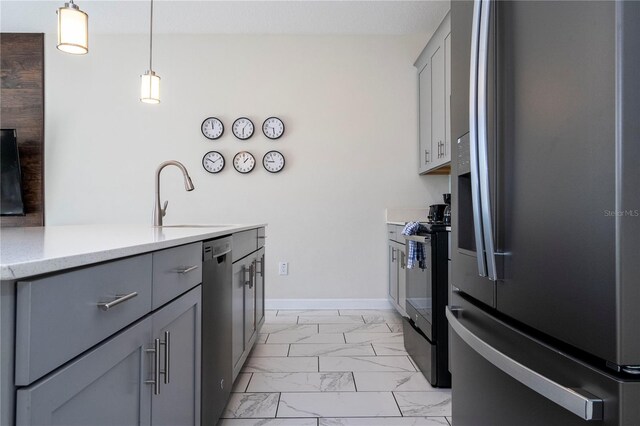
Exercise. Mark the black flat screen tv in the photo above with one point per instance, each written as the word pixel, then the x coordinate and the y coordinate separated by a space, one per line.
pixel 11 203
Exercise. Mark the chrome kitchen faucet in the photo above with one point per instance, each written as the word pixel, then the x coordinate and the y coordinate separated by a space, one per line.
pixel 160 212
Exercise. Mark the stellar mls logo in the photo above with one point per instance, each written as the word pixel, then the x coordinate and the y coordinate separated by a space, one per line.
pixel 622 213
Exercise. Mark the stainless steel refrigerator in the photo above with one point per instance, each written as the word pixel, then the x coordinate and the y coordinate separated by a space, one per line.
pixel 545 314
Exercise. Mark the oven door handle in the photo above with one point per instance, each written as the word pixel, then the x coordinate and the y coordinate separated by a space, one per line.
pixel 578 401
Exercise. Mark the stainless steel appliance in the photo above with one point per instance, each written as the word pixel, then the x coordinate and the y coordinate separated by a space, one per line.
pixel 425 331
pixel 436 213
pixel 544 316
pixel 217 367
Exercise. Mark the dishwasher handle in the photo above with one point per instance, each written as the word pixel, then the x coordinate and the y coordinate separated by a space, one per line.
pixel 578 401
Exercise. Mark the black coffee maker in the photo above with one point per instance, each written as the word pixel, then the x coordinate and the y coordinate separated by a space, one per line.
pixel 447 210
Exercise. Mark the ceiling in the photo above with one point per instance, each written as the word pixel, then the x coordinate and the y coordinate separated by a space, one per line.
pixel 233 17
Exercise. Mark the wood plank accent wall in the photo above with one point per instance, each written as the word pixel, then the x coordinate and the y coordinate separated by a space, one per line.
pixel 22 108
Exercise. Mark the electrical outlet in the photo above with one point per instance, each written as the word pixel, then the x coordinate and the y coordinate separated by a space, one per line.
pixel 283 268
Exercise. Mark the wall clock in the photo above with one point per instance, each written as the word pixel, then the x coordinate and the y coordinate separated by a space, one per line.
pixel 213 162
pixel 273 127
pixel 212 128
pixel 243 128
pixel 273 161
pixel 244 162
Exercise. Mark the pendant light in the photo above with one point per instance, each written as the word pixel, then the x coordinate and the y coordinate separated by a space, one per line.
pixel 150 81
pixel 73 29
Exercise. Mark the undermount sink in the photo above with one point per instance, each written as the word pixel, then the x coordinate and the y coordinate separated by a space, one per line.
pixel 195 226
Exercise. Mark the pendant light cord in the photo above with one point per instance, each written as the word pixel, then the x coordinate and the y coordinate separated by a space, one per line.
pixel 151 39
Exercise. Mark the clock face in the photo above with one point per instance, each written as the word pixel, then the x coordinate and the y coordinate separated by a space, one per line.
pixel 213 162
pixel 244 162
pixel 273 127
pixel 212 128
pixel 273 161
pixel 243 128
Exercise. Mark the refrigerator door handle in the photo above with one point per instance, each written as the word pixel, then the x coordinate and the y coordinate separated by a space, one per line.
pixel 577 401
pixel 483 151
pixel 473 139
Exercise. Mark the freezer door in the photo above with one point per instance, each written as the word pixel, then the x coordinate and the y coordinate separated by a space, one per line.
pixel 503 377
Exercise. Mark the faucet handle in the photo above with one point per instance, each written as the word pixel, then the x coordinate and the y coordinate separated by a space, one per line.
pixel 163 210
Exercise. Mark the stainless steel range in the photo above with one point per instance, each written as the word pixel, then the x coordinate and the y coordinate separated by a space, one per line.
pixel 425 331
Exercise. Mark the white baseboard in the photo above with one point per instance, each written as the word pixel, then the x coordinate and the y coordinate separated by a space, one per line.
pixel 327 304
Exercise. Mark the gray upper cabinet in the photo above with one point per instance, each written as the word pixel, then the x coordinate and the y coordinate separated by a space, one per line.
pixel 434 84
pixel 425 155
pixel 106 386
pixel 177 325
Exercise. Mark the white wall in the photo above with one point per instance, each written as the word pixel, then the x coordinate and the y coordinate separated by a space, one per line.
pixel 349 104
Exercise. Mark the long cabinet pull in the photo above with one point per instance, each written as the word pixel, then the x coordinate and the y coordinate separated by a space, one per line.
pixel 393 254
pixel 156 367
pixel 186 269
pixel 577 401
pixel 473 139
pixel 167 355
pixel 120 298
pixel 248 282
pixel 261 262
pixel 483 137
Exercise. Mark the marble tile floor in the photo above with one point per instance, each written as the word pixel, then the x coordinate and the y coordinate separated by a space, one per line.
pixel 333 368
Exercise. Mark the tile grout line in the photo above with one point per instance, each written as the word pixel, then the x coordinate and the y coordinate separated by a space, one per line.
pixel 278 405
pixel 354 381
pixel 247 387
pixel 289 350
pixel 397 405
pixel 374 349
pixel 447 420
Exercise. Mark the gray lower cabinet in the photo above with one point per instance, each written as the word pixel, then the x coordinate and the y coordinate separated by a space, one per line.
pixel 397 259
pixel 111 384
pixel 177 325
pixel 259 283
pixel 104 387
pixel 393 272
pixel 247 298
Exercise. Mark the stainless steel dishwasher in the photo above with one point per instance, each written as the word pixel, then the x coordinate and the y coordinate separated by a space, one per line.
pixel 217 368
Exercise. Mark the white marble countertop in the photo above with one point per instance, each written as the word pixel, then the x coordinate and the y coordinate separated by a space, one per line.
pixel 33 251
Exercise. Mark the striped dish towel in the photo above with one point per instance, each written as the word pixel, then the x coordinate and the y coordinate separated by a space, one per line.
pixel 416 249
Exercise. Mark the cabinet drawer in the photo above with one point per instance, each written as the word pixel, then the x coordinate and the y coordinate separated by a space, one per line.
pixel 175 271
pixel 58 317
pixel 391 232
pixel 261 237
pixel 244 243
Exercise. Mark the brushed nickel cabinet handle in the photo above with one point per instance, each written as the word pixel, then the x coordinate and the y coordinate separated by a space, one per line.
pixel 249 281
pixel 186 269
pixel 156 367
pixel 120 298
pixel 167 355
pixel 261 263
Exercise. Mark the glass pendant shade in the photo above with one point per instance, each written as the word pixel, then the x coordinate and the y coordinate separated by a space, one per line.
pixel 73 29
pixel 150 87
